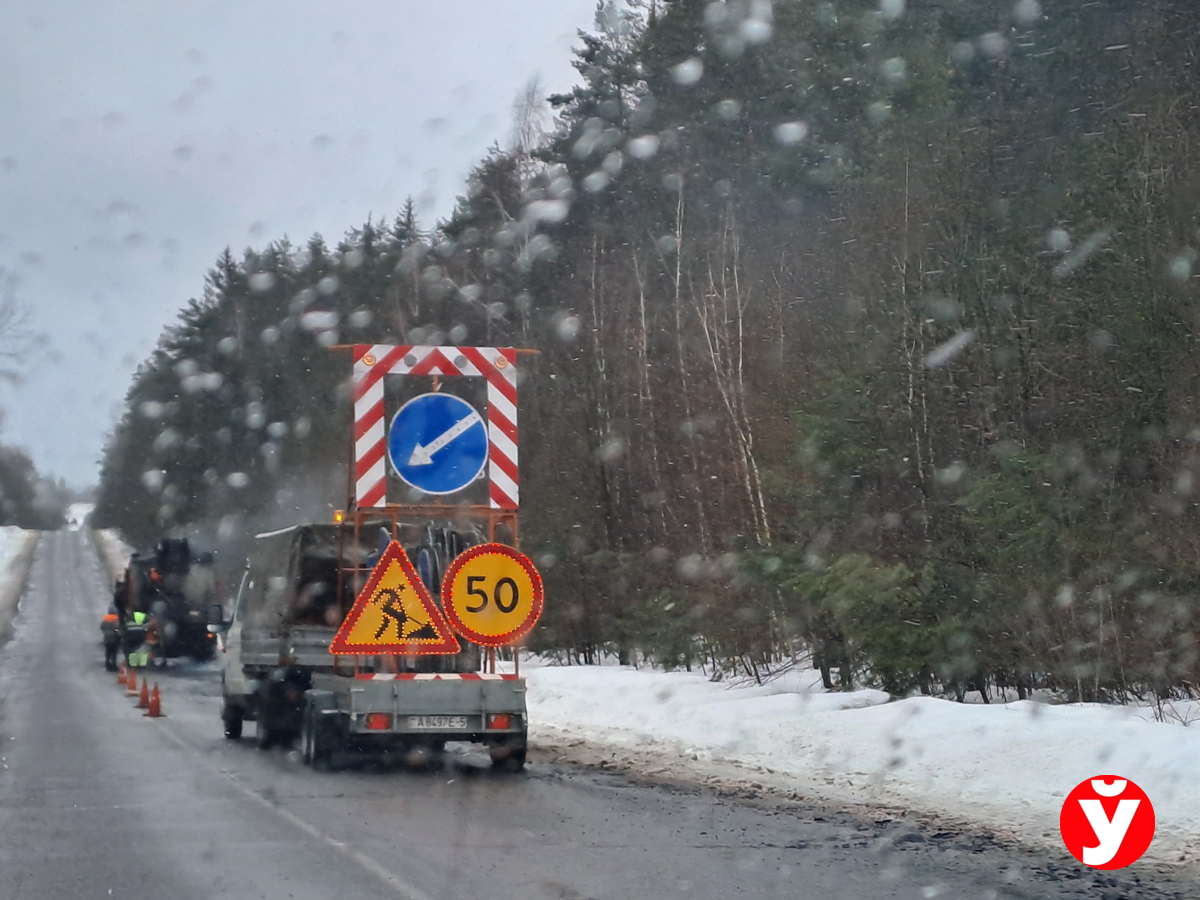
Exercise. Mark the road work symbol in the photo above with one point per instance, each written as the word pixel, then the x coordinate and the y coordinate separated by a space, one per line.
pixel 394 613
pixel 438 443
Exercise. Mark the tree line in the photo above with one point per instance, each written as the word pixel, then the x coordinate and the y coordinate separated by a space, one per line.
pixel 868 340
pixel 27 498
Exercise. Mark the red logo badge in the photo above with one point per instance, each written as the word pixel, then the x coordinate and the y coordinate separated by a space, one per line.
pixel 1107 822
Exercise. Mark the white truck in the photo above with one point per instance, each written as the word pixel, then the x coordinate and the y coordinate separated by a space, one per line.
pixel 277 670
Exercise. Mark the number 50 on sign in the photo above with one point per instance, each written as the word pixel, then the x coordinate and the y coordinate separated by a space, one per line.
pixel 492 595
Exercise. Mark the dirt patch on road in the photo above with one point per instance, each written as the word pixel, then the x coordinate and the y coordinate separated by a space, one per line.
pixel 764 787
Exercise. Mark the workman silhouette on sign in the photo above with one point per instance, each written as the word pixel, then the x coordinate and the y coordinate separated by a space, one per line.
pixel 393 612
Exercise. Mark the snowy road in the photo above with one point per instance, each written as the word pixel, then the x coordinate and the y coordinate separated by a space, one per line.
pixel 97 801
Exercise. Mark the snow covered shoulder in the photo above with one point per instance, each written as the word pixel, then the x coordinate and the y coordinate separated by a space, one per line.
pixel 1005 766
pixel 16 552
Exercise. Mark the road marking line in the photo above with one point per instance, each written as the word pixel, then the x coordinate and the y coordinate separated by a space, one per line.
pixel 400 886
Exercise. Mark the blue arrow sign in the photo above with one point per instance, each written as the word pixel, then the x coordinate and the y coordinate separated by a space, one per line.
pixel 438 443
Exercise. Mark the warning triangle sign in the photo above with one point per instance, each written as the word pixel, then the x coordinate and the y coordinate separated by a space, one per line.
pixel 394 613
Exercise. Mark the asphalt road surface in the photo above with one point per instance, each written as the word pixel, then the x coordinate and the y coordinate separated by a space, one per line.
pixel 97 801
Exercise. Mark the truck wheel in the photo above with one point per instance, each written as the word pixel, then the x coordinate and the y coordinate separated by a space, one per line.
pixel 265 736
pixel 315 739
pixel 510 757
pixel 233 716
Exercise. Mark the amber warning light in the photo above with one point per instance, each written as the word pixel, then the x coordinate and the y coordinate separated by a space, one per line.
pixel 339 516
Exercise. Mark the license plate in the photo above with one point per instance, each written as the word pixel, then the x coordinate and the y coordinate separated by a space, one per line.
pixel 447 723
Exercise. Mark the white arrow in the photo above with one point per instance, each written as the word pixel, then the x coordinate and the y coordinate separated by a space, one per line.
pixel 422 455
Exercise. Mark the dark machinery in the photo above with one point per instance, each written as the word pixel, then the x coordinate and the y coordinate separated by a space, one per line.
pixel 172 590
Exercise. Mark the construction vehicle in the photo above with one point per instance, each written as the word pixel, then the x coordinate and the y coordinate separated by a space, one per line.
pixel 174 590
pixel 303 658
pixel 278 671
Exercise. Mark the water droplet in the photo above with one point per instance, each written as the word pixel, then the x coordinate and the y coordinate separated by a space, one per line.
pixel 688 72
pixel 1058 240
pixel 944 353
pixel 993 44
pixel 611 450
pixel 1027 12
pixel 319 320
pixel 729 109
pixel 1181 265
pixel 567 328
pixel 643 147
pixel 894 70
pixel 596 181
pixel 789 133
pixel 261 281
pixel 962 52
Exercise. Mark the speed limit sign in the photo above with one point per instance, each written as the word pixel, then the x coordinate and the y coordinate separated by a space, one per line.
pixel 492 594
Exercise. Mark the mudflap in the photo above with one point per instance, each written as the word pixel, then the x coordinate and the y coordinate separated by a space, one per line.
pixel 280 704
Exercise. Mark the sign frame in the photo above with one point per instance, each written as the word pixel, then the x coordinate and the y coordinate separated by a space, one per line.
pixel 496 365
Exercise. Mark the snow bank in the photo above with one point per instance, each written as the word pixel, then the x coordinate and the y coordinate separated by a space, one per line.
pixel 114 552
pixel 1005 766
pixel 77 515
pixel 16 554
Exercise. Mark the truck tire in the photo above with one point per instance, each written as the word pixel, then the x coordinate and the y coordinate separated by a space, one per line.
pixel 315 739
pixel 510 757
pixel 265 736
pixel 233 717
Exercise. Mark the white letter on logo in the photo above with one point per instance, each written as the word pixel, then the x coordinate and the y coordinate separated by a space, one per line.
pixel 1110 832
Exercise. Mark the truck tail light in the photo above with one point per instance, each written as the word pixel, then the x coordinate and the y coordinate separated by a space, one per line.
pixel 501 721
pixel 379 721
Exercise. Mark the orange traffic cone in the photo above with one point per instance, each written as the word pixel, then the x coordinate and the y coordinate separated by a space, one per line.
pixel 144 699
pixel 155 708
pixel 131 683
pixel 121 674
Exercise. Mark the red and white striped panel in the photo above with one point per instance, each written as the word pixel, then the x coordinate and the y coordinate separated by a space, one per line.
pixel 436 676
pixel 497 365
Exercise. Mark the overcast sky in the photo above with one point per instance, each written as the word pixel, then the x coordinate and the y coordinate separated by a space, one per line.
pixel 140 138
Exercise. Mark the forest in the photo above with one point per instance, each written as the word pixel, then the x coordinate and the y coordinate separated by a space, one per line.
pixel 28 499
pixel 867 338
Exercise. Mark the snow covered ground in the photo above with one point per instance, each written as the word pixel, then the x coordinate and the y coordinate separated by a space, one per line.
pixel 16 552
pixel 114 552
pixel 1004 766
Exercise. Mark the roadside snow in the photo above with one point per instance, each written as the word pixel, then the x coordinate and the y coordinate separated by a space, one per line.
pixel 16 552
pixel 114 552
pixel 1003 766
pixel 77 515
